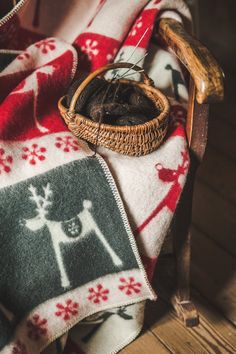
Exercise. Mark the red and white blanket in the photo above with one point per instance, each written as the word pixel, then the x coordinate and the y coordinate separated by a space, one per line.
pixel 56 40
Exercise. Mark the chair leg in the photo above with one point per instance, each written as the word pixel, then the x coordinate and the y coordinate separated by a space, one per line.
pixel 181 300
pixel 182 249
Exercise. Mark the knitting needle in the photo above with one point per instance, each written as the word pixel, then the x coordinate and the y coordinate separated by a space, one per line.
pixel 124 74
pixel 120 77
pixel 137 72
pixel 114 77
pixel 127 60
pixel 136 46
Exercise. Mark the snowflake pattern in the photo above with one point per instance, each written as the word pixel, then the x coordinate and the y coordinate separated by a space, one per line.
pixel 23 55
pixel 68 310
pixel 34 153
pixel 130 286
pixel 37 327
pixel 19 348
pixel 5 162
pixel 99 294
pixel 110 56
pixel 67 143
pixel 46 45
pixel 138 24
pixel 74 228
pixel 90 48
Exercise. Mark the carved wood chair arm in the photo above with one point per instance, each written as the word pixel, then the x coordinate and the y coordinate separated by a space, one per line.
pixel 202 66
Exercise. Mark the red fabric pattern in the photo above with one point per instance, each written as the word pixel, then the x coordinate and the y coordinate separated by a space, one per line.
pixel 37 327
pixel 34 154
pixel 5 162
pixel 19 348
pixel 129 286
pixel 144 21
pixel 99 294
pixel 35 96
pixel 67 143
pixel 95 50
pixel 171 199
pixel 68 310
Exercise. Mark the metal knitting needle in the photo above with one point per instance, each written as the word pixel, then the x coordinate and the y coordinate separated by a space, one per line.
pixel 127 60
pixel 137 72
pixel 138 43
pixel 118 76
pixel 136 46
pixel 126 73
pixel 114 77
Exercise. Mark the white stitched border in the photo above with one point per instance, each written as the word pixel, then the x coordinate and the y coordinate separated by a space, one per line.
pixel 120 205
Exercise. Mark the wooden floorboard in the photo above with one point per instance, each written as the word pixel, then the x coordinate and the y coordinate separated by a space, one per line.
pixel 223 328
pixel 210 339
pixel 214 274
pixel 165 333
pixel 171 331
pixel 146 343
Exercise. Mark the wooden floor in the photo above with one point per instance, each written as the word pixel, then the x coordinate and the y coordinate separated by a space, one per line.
pixel 214 219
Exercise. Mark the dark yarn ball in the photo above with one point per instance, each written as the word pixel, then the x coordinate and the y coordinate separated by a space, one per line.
pixel 94 86
pixel 130 119
pixel 145 104
pixel 112 113
pixel 112 103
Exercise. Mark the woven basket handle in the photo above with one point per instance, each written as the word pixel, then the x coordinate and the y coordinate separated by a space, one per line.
pixel 104 69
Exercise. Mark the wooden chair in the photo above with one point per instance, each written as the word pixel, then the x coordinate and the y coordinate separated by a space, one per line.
pixel 206 86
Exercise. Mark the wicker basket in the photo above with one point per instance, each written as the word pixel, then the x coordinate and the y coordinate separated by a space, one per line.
pixel 136 140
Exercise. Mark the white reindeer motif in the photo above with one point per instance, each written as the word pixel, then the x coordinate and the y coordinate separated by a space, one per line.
pixel 55 228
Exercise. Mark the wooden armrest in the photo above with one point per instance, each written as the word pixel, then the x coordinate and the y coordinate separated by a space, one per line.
pixel 202 66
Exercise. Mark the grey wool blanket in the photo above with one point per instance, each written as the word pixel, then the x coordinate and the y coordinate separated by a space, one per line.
pixel 67 251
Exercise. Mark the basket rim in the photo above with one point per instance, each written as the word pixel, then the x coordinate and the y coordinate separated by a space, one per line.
pixel 156 121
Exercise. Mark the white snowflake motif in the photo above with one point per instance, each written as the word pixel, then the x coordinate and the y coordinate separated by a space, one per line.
pixel 34 153
pixel 67 143
pixel 138 24
pixel 110 56
pixel 90 48
pixel 74 229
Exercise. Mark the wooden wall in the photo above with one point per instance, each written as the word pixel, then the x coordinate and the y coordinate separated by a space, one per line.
pixel 214 209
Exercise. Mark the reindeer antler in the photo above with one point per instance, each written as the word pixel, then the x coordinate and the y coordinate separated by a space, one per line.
pixel 42 202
